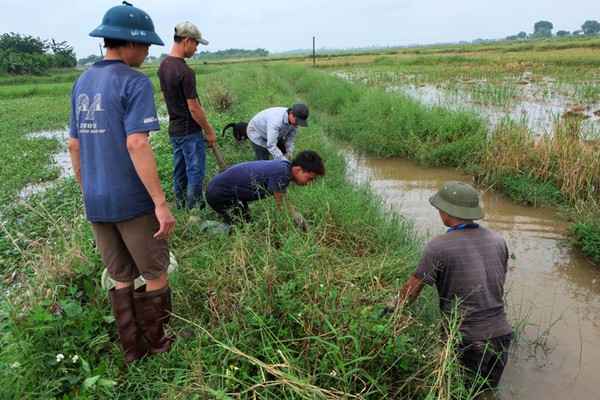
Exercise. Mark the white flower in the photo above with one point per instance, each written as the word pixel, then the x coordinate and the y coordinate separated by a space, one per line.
pixel 59 357
pixel 333 373
pixel 16 364
pixel 75 358
pixel 322 285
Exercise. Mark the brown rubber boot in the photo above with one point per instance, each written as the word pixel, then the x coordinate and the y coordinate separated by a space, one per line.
pixel 154 312
pixel 124 311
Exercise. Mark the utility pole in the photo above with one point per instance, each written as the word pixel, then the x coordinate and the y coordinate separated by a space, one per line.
pixel 314 54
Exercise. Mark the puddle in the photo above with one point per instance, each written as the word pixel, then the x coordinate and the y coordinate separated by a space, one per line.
pixel 60 159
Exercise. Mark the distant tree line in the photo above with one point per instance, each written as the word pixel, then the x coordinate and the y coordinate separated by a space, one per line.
pixel 230 53
pixel 204 56
pixel 543 30
pixel 22 55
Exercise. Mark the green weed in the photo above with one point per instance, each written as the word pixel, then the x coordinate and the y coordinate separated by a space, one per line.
pixel 274 312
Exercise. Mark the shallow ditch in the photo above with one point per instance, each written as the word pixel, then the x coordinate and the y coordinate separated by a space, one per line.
pixel 551 288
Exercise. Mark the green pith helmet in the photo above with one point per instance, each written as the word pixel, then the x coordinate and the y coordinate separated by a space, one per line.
pixel 458 200
pixel 127 23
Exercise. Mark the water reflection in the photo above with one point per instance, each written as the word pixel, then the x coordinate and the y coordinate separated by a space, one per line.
pixel 550 285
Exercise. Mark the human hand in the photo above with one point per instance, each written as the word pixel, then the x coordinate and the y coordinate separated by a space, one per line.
pixel 166 221
pixel 300 221
pixel 288 155
pixel 210 138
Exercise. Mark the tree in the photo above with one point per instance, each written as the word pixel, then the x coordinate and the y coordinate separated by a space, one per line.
pixel 14 42
pixel 562 33
pixel 543 25
pixel 590 27
pixel 22 54
pixel 522 35
pixel 89 60
pixel 64 54
pixel 542 33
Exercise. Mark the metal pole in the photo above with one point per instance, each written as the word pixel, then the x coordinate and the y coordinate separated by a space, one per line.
pixel 314 54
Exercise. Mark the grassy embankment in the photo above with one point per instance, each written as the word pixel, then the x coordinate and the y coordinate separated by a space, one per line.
pixel 559 168
pixel 276 313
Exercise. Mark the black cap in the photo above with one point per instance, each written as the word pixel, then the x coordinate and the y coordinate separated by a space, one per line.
pixel 301 113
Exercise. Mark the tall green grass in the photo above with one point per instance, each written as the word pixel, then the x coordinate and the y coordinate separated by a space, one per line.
pixel 560 168
pixel 387 124
pixel 35 89
pixel 274 312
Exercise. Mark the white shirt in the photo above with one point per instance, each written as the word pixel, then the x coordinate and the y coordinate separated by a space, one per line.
pixel 271 125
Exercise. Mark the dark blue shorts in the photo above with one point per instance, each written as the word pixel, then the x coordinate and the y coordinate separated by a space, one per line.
pixel 485 358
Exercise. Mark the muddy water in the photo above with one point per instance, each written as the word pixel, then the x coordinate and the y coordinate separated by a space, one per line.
pixel 550 287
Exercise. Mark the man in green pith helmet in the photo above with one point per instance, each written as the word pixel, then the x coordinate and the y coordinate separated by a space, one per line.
pixel 112 112
pixel 468 266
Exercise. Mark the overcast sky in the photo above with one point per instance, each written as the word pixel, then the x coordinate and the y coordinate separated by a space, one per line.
pixel 277 25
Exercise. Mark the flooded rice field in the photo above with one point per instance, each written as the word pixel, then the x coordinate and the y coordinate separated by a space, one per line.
pixel 535 102
pixel 553 292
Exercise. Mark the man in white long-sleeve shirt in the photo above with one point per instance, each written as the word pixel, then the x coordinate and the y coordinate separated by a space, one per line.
pixel 273 131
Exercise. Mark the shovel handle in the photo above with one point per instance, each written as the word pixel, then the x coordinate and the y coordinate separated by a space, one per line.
pixel 219 158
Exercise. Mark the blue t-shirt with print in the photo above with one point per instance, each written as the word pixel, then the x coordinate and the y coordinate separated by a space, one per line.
pixel 252 180
pixel 110 101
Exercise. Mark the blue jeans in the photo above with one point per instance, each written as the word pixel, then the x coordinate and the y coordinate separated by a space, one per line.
pixel 189 158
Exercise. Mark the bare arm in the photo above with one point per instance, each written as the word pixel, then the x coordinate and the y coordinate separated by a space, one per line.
pixel 200 117
pixel 409 293
pixel 411 289
pixel 281 198
pixel 75 159
pixel 143 160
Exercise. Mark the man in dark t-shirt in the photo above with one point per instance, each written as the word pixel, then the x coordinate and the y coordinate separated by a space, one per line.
pixel 230 192
pixel 189 128
pixel 468 267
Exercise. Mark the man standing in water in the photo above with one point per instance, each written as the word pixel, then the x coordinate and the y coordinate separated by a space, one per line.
pixel 189 128
pixel 468 266
pixel 112 112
